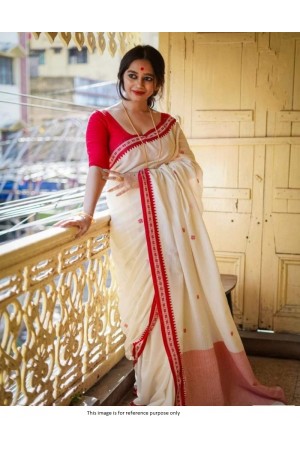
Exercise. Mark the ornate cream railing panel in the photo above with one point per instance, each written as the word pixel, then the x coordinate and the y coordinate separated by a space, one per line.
pixel 59 321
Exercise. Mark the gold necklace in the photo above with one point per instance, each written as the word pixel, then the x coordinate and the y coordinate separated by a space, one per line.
pixel 142 141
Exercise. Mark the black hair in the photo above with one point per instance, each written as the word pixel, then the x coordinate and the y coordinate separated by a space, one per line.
pixel 154 57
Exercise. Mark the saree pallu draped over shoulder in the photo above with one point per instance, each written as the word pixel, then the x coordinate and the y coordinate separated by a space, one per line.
pixel 178 326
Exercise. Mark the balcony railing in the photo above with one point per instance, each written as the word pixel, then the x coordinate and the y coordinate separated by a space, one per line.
pixel 59 321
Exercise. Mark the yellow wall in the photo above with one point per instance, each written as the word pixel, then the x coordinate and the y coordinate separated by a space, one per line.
pixel 237 96
pixel 100 67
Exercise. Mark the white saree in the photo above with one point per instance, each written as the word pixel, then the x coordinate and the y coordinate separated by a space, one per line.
pixel 178 326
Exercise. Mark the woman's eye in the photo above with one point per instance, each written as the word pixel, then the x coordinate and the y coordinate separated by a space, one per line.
pixel 133 76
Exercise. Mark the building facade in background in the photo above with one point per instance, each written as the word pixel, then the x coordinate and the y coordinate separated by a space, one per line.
pixel 70 75
pixel 14 80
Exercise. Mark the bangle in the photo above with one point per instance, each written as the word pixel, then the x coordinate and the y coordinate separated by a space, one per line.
pixel 84 214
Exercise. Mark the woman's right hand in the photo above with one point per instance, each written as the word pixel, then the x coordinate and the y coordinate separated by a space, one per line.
pixel 83 223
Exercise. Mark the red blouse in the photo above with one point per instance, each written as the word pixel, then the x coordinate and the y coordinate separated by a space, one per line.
pixel 103 135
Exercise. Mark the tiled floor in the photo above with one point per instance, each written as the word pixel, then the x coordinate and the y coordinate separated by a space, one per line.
pixel 271 372
pixel 279 372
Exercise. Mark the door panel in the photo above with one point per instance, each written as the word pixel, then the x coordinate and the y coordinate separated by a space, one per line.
pixel 237 96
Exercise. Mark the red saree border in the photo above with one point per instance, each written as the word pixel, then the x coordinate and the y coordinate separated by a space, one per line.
pixel 161 285
pixel 135 141
pixel 139 345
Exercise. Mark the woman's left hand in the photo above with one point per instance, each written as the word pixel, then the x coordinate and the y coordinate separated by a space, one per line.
pixel 127 180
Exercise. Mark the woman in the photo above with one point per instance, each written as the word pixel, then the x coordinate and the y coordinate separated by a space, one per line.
pixel 178 326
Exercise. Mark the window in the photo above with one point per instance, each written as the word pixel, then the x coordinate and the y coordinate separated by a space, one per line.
pixel 36 59
pixel 57 50
pixel 39 56
pixel 6 70
pixel 77 57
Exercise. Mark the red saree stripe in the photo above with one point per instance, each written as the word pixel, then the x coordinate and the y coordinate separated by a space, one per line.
pixel 161 285
pixel 134 141
pixel 139 345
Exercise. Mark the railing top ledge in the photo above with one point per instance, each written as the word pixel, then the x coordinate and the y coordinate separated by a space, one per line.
pixel 17 251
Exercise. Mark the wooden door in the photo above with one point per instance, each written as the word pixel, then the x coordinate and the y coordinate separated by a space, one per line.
pixel 280 286
pixel 233 93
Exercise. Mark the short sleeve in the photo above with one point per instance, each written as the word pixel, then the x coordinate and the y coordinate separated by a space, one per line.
pixel 97 141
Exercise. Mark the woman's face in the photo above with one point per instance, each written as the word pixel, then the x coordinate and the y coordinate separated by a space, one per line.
pixel 139 80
